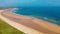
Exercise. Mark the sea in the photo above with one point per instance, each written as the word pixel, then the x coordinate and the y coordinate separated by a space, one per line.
pixel 50 14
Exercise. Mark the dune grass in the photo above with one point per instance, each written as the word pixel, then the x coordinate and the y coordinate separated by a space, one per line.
pixel 7 29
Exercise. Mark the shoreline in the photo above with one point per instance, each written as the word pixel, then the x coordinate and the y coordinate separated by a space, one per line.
pixel 44 24
pixel 51 21
pixel 33 18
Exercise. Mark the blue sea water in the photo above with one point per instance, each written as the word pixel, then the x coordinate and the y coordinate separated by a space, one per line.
pixel 51 14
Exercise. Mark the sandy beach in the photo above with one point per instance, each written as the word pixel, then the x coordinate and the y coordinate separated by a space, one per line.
pixel 18 26
pixel 34 23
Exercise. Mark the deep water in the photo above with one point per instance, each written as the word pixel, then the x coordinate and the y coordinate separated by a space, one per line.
pixel 51 14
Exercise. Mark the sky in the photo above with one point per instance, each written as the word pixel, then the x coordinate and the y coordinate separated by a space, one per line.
pixel 14 3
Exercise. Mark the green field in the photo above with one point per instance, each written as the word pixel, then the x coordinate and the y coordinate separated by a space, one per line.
pixel 7 29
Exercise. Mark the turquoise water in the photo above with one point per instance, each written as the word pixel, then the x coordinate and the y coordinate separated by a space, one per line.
pixel 51 14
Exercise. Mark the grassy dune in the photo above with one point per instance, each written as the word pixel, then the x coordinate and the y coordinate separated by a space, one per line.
pixel 7 29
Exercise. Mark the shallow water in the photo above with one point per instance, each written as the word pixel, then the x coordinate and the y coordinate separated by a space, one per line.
pixel 51 14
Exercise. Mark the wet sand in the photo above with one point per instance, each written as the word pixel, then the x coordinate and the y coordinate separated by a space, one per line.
pixel 34 23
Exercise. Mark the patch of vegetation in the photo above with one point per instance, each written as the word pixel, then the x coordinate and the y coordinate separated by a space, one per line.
pixel 1 8
pixel 7 29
